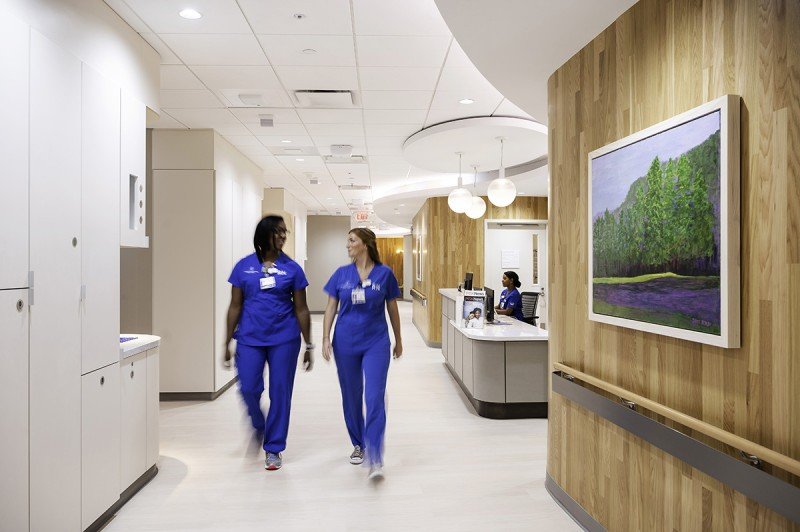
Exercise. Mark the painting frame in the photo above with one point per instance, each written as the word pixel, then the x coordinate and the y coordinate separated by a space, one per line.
pixel 728 107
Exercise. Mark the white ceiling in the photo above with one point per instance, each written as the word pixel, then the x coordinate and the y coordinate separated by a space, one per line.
pixel 399 58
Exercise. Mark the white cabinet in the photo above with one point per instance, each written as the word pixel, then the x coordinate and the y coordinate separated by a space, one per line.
pixel 133 418
pixel 14 36
pixel 152 407
pixel 55 257
pixel 14 413
pixel 100 131
pixel 133 123
pixel 100 449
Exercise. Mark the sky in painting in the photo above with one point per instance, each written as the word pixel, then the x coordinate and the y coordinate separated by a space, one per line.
pixel 614 172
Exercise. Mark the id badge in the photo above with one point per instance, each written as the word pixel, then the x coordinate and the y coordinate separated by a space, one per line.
pixel 267 282
pixel 358 297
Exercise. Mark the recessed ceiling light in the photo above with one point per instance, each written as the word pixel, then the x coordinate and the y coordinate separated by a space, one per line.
pixel 286 141
pixel 309 51
pixel 299 160
pixel 466 101
pixel 190 14
pixel 402 204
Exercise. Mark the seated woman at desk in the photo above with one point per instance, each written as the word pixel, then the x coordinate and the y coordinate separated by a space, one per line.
pixel 510 299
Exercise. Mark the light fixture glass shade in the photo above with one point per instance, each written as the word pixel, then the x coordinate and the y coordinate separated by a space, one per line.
pixel 476 208
pixel 459 199
pixel 502 192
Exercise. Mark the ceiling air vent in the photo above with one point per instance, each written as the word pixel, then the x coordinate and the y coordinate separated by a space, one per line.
pixel 354 187
pixel 353 159
pixel 326 99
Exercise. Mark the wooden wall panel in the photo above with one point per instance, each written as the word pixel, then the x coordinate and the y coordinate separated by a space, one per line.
pixel 391 252
pixel 452 244
pixel 659 59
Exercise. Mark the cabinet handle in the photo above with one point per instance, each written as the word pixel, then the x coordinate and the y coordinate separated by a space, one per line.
pixel 74 242
pixel 102 380
pixel 131 374
pixel 20 305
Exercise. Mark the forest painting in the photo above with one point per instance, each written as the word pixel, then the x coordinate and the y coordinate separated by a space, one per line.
pixel 656 229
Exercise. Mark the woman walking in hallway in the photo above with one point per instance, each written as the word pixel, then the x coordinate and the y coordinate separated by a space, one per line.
pixel 267 313
pixel 361 346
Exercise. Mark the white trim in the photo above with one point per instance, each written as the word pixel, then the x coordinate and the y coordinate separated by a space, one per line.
pixel 729 336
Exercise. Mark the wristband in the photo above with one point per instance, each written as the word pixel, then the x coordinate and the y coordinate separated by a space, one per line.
pixel 310 347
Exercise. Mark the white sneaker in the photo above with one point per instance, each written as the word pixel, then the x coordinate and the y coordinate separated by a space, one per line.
pixel 357 456
pixel 375 472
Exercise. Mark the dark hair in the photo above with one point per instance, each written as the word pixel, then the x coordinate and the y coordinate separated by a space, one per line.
pixel 369 240
pixel 514 278
pixel 266 232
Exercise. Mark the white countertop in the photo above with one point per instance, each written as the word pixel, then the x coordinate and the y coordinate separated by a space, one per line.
pixel 449 293
pixel 143 342
pixel 508 330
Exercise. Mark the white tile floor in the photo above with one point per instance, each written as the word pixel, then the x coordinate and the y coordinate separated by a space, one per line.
pixel 446 467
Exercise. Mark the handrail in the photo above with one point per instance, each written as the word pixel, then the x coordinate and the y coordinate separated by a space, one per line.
pixel 765 454
pixel 418 295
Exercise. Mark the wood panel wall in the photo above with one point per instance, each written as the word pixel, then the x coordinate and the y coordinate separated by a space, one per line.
pixel 659 59
pixel 391 252
pixel 451 245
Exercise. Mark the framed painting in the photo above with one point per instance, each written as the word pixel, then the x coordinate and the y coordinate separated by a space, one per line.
pixel 664 227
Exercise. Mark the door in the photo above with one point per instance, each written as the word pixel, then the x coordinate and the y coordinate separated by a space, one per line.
pixel 133 418
pixel 100 442
pixel 100 221
pixel 14 62
pixel 55 258
pixel 14 414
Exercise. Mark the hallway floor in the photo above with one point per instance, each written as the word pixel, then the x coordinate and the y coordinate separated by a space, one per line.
pixel 446 468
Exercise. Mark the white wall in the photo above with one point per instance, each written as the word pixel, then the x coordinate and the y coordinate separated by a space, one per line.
pixel 281 202
pixel 327 237
pixel 95 34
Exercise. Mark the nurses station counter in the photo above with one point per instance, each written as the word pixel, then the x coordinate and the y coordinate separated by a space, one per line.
pixel 501 368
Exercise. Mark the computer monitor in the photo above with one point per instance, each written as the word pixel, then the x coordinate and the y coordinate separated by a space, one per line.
pixel 489 304
pixel 468 281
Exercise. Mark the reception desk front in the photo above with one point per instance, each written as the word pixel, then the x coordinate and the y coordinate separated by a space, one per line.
pixel 501 368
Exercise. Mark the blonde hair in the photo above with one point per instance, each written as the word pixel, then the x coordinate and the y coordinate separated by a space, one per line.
pixel 370 240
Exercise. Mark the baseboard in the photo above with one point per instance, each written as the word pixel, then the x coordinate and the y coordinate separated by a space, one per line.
pixel 126 495
pixel 196 396
pixel 571 506
pixel 500 410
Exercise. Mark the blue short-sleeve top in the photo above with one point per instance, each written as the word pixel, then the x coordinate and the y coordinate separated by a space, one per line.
pixel 362 324
pixel 511 299
pixel 267 316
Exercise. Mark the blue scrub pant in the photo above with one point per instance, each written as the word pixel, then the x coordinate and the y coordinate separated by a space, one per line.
pixel 362 378
pixel 282 361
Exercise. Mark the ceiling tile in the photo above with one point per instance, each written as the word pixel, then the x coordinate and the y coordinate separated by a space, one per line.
pixel 387 116
pixel 219 16
pixel 242 140
pixel 390 99
pixel 330 116
pixel 409 17
pixel 391 130
pixel 164 121
pixel 284 131
pixel 401 51
pixel 256 150
pixel 280 116
pixel 167 55
pixel 127 14
pixel 507 108
pixel 385 146
pixel 318 78
pixel 463 79
pixel 296 141
pixel 194 99
pixel 330 50
pixel 323 143
pixel 216 49
pixel 267 98
pixel 331 130
pixel 230 77
pixel 322 17
pixel 178 77
pixel 231 129
pixel 398 78
pixel 457 58
pixel 343 171
pixel 208 118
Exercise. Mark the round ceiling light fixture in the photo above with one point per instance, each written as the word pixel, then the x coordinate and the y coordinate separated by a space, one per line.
pixel 466 101
pixel 502 191
pixel 477 206
pixel 459 199
pixel 309 51
pixel 190 14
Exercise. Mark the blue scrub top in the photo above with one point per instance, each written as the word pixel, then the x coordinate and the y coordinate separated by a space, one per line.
pixel 267 316
pixel 512 300
pixel 363 324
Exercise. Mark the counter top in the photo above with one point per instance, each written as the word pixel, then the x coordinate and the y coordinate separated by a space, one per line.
pixel 140 342
pixel 507 330
pixel 449 293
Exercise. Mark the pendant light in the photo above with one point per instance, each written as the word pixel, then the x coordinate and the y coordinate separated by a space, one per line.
pixel 459 199
pixel 502 191
pixel 477 205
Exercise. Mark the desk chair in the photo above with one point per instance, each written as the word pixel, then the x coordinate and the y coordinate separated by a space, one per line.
pixel 529 302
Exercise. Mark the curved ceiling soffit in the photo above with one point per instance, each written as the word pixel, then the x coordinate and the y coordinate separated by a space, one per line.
pixel 518 44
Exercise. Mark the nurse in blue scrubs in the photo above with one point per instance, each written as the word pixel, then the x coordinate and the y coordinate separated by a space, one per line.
pixel 361 346
pixel 267 314
pixel 510 299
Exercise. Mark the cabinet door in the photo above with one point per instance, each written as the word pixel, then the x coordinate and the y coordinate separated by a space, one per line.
pixel 133 418
pixel 55 256
pixel 14 59
pixel 14 414
pixel 133 123
pixel 152 407
pixel 445 325
pixel 100 442
pixel 100 221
